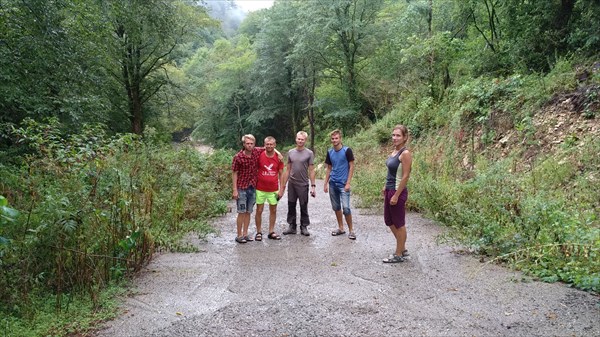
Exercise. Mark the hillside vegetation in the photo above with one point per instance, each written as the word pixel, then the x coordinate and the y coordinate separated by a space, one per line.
pixel 501 98
pixel 519 186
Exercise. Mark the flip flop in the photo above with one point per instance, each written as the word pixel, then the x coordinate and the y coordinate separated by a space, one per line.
pixel 338 232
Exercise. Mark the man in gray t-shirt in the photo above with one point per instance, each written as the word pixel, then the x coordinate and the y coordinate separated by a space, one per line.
pixel 299 170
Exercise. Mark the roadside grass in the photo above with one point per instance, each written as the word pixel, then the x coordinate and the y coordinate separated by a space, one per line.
pixel 78 317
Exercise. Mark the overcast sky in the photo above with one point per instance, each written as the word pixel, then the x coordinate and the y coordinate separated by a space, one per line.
pixel 253 5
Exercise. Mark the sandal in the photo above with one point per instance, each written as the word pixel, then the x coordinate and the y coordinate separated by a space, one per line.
pixel 394 259
pixel 338 232
pixel 274 236
pixel 405 254
pixel 240 239
pixel 248 239
pixel 352 236
pixel 258 236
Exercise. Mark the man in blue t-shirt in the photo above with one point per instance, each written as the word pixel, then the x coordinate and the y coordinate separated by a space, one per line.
pixel 340 168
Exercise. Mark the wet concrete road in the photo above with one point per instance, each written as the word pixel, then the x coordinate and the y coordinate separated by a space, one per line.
pixel 332 286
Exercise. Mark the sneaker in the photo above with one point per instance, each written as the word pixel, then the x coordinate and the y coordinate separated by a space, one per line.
pixel 291 230
pixel 304 231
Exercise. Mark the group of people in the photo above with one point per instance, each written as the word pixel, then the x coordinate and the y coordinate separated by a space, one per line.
pixel 260 176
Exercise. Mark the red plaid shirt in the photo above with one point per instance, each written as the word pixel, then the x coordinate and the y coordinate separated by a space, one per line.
pixel 246 168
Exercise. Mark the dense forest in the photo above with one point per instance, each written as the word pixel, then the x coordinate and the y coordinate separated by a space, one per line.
pixel 502 99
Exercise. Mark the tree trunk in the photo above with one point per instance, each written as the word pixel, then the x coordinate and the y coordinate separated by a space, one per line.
pixel 137 117
pixel 311 110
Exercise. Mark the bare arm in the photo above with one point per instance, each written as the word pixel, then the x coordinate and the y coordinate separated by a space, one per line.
pixel 281 184
pixel 406 162
pixel 311 174
pixel 350 174
pixel 327 175
pixel 235 190
pixel 286 175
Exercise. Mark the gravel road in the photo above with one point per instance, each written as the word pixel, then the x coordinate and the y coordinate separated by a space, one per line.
pixel 332 286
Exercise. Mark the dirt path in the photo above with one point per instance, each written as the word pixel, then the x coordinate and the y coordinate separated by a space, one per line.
pixel 331 286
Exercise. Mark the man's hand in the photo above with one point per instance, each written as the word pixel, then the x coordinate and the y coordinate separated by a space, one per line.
pixel 326 188
pixel 235 195
pixel 279 155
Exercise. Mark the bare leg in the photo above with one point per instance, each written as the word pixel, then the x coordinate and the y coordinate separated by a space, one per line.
pixel 239 221
pixel 349 222
pixel 272 217
pixel 245 223
pixel 338 217
pixel 400 235
pixel 258 217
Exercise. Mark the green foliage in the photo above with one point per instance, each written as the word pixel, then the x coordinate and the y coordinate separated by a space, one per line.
pixel 95 62
pixel 585 30
pixel 94 209
pixel 334 110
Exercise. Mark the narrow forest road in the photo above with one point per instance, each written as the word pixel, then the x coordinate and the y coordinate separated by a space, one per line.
pixel 331 286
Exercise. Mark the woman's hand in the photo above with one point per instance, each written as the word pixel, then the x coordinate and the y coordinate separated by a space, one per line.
pixel 394 200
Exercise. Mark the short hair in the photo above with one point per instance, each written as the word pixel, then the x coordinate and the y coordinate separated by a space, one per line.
pixel 270 139
pixel 335 132
pixel 248 136
pixel 302 133
pixel 403 129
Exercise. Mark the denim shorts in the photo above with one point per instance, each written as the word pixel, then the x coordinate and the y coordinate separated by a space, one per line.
pixel 246 200
pixel 340 199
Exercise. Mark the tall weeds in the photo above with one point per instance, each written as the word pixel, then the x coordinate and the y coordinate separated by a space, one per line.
pixel 94 209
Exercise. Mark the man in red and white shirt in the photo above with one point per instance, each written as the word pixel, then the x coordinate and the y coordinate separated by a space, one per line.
pixel 270 173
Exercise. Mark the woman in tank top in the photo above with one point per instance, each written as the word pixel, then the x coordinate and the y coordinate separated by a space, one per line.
pixel 395 192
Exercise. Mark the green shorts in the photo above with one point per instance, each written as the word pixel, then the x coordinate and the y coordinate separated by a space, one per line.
pixel 262 196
